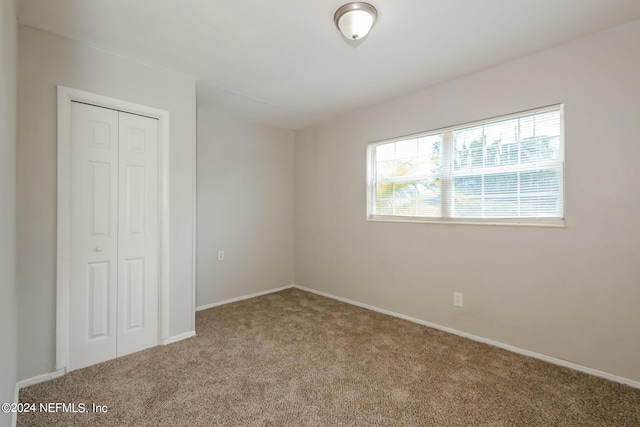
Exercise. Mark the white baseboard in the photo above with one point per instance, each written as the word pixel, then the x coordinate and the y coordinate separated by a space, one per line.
pixel 40 378
pixel 550 359
pixel 228 301
pixel 177 338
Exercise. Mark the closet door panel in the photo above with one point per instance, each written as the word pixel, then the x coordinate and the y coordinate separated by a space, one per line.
pixel 138 236
pixel 94 235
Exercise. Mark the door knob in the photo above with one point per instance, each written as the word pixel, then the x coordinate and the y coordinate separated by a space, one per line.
pixel 98 249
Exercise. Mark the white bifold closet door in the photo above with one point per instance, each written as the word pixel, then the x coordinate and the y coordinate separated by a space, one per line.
pixel 114 234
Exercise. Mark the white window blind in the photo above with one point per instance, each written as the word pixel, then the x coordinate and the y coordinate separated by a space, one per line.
pixel 503 170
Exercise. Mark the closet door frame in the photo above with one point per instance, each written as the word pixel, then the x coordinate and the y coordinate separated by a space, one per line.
pixel 63 274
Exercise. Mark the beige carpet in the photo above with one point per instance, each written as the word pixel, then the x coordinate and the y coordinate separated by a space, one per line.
pixel 297 359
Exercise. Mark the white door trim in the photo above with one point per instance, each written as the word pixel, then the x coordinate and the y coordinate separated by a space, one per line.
pixel 63 275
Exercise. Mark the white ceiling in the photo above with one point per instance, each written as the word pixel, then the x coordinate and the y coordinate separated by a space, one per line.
pixel 283 62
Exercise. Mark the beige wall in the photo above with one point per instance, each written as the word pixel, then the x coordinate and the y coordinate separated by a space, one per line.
pixel 46 60
pixel 8 314
pixel 245 207
pixel 569 293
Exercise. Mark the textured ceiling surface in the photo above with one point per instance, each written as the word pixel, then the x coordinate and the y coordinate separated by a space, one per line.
pixel 283 62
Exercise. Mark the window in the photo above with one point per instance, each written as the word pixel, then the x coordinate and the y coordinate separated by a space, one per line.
pixel 506 170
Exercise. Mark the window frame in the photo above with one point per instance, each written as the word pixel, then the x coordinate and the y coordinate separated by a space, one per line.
pixel 448 174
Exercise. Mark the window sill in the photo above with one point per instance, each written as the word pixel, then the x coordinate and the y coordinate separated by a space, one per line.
pixel 521 222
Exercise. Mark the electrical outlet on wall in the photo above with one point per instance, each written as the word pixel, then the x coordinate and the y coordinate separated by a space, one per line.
pixel 457 299
pixel 220 255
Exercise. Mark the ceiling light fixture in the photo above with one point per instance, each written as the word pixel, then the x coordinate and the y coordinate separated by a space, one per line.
pixel 354 20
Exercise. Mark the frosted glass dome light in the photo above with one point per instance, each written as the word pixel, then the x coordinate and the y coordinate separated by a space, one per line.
pixel 354 20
